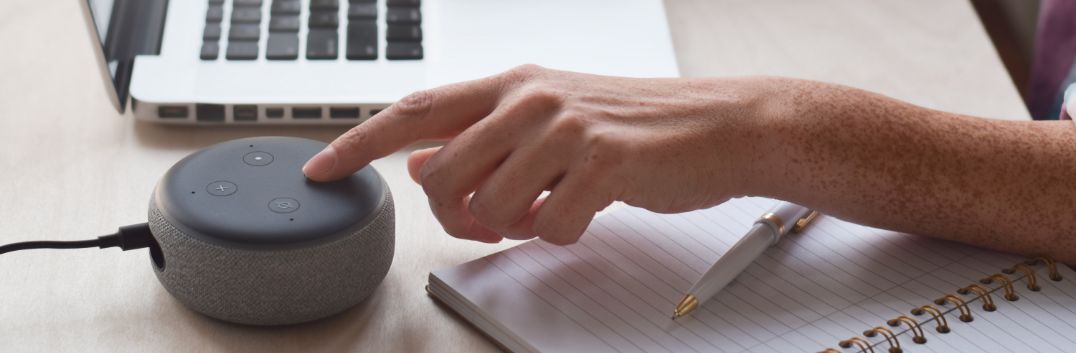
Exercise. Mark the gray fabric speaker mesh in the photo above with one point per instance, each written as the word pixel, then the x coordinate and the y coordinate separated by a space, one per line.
pixel 275 287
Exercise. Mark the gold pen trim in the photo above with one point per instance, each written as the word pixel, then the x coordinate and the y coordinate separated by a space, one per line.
pixel 686 306
pixel 769 216
pixel 803 222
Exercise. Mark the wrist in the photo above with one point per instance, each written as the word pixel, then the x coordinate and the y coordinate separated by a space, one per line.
pixel 761 133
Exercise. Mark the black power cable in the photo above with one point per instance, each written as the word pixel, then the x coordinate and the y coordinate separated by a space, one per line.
pixel 135 236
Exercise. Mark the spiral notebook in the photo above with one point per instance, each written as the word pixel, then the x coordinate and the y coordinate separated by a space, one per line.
pixel 835 287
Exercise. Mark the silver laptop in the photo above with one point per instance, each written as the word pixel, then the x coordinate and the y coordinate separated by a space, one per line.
pixel 341 61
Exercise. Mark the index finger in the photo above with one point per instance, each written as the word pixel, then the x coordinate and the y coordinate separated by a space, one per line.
pixel 435 113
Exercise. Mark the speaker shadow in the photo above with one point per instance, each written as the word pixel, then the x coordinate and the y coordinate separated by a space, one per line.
pixel 348 331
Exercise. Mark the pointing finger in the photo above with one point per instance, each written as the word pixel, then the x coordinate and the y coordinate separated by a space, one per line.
pixel 436 113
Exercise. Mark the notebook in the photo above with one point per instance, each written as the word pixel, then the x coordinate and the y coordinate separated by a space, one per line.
pixel 835 287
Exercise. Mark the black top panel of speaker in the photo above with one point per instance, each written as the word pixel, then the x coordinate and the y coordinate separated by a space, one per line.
pixel 252 192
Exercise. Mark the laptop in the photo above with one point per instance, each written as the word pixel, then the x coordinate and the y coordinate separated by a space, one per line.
pixel 215 62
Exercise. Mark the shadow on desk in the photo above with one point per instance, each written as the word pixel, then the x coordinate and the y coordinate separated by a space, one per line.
pixel 187 137
pixel 344 332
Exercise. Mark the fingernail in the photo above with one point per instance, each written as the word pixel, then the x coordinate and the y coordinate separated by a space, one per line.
pixel 322 163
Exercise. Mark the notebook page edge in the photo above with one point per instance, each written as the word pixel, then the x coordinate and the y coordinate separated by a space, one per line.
pixel 442 292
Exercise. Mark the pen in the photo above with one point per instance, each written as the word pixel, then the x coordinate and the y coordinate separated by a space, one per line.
pixel 767 231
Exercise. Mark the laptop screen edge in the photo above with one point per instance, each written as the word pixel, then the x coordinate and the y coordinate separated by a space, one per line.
pixel 99 54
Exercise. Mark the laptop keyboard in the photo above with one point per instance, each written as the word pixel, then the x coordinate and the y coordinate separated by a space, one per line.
pixel 323 21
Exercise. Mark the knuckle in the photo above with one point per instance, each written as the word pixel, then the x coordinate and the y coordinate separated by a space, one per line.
pixel 525 71
pixel 481 209
pixel 415 104
pixel 351 140
pixel 605 149
pixel 485 214
pixel 541 96
pixel 571 126
pixel 487 211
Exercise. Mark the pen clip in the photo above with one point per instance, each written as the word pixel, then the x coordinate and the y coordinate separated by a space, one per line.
pixel 802 222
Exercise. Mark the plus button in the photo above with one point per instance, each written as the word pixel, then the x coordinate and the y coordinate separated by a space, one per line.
pixel 221 188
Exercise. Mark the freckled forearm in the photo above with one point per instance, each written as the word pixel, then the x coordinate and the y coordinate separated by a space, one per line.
pixel 1004 185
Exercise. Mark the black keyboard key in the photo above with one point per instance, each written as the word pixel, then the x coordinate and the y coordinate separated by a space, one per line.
pixel 244 32
pixel 216 2
pixel 362 12
pixel 286 7
pixel 282 46
pixel 328 5
pixel 212 31
pixel 403 15
pixel 214 14
pixel 284 24
pixel 246 15
pixel 323 19
pixel 247 2
pixel 403 51
pixel 411 3
pixel 242 50
pixel 403 33
pixel 362 40
pixel 321 44
pixel 210 50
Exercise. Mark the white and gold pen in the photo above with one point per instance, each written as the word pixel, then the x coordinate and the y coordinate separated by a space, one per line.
pixel 767 231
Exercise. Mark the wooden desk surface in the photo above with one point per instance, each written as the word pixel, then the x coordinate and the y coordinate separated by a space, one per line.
pixel 71 167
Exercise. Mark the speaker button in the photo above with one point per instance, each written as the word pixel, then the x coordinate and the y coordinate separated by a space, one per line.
pixel 283 205
pixel 221 188
pixel 258 158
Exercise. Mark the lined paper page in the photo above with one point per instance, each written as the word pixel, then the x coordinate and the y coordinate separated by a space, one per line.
pixel 614 290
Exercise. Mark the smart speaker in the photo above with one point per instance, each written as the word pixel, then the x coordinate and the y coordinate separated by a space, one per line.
pixel 245 237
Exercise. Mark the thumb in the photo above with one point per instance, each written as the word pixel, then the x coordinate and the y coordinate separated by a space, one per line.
pixel 417 160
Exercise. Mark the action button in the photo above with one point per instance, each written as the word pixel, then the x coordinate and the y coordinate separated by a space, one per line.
pixel 221 188
pixel 258 158
pixel 283 205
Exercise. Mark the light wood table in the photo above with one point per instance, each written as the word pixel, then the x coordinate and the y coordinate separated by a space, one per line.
pixel 71 167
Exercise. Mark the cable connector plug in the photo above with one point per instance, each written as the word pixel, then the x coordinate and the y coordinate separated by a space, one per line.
pixel 135 236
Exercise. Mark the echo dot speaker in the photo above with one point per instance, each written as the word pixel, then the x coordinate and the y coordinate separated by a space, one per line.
pixel 245 237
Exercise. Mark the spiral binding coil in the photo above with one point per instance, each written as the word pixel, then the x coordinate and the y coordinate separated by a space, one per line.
pixel 1029 273
pixel 981 292
pixel 965 313
pixel 1054 276
pixel 890 337
pixel 938 315
pixel 917 331
pixel 1010 293
pixel 943 324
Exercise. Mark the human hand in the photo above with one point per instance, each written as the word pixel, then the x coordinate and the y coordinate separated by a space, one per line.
pixel 667 145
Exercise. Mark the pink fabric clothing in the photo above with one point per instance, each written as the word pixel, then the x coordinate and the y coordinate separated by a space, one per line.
pixel 1055 51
